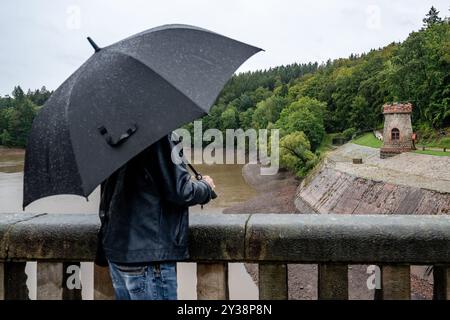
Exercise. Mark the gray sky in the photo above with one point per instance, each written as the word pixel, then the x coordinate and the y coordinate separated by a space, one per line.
pixel 43 41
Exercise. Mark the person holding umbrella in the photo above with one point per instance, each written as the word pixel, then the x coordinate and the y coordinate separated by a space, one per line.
pixel 110 124
pixel 144 212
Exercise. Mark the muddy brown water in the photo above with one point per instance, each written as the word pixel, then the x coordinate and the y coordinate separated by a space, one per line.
pixel 231 189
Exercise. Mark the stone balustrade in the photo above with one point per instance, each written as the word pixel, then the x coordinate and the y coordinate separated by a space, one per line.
pixel 393 242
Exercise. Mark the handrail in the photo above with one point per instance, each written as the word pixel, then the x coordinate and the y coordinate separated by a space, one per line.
pixel 268 239
pixel 291 238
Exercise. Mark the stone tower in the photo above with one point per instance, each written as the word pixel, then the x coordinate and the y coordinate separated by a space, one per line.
pixel 397 133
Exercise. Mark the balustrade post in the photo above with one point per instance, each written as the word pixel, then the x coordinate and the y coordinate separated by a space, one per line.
pixel 332 282
pixel 273 281
pixel 49 280
pixel 15 281
pixel 212 281
pixel 103 289
pixel 396 282
pixel 2 281
pixel 441 283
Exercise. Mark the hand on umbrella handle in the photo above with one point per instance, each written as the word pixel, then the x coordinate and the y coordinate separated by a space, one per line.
pixel 104 132
pixel 198 176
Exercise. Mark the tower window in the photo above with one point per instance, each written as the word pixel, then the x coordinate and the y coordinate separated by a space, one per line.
pixel 395 134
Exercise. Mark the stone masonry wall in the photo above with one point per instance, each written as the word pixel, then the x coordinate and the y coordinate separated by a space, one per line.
pixel 332 191
pixel 401 121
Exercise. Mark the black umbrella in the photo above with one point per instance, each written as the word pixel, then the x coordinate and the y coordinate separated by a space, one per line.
pixel 122 99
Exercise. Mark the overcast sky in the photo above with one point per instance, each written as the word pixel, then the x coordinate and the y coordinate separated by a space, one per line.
pixel 43 41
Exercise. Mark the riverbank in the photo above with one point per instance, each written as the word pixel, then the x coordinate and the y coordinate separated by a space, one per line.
pixel 11 159
pixel 275 193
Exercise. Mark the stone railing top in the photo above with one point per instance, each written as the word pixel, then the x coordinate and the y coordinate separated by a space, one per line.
pixel 295 238
pixel 397 108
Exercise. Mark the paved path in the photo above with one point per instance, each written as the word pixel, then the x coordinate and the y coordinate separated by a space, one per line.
pixel 410 169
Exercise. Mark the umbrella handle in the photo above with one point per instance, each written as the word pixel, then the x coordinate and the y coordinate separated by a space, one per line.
pixel 104 132
pixel 198 176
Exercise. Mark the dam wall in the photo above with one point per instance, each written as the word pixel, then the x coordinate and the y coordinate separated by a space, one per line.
pixel 333 191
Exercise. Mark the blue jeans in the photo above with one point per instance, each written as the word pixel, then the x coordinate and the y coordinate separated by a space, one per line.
pixel 151 281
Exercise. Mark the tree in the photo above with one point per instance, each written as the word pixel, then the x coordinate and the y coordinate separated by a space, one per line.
pixel 19 119
pixel 296 155
pixel 18 93
pixel 5 139
pixel 212 120
pixel 306 115
pixel 281 90
pixel 228 119
pixel 39 96
pixel 431 18
pixel 3 122
pixel 245 118
pixel 360 114
pixel 244 102
pixel 268 111
pixel 5 102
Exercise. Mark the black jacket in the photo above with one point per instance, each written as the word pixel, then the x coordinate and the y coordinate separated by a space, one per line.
pixel 144 208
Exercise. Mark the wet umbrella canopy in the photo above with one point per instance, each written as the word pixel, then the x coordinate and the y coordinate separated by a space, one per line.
pixel 122 99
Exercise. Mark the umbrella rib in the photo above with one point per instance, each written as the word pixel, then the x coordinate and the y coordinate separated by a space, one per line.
pixel 66 112
pixel 66 118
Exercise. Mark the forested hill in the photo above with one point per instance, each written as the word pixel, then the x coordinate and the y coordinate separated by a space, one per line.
pixel 308 100
pixel 353 89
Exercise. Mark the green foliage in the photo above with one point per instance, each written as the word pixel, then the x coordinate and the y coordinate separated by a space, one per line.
pixel 268 111
pixel 360 113
pixel 16 117
pixel 426 133
pixel 444 143
pixel 19 120
pixel 248 82
pixel 39 96
pixel 307 115
pixel 432 17
pixel 432 138
pixel 229 119
pixel 326 144
pixel 5 139
pixel 348 133
pixel 246 118
pixel 296 155
pixel 18 93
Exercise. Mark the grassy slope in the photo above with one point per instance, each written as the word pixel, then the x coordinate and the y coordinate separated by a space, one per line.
pixel 368 140
pixel 433 152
